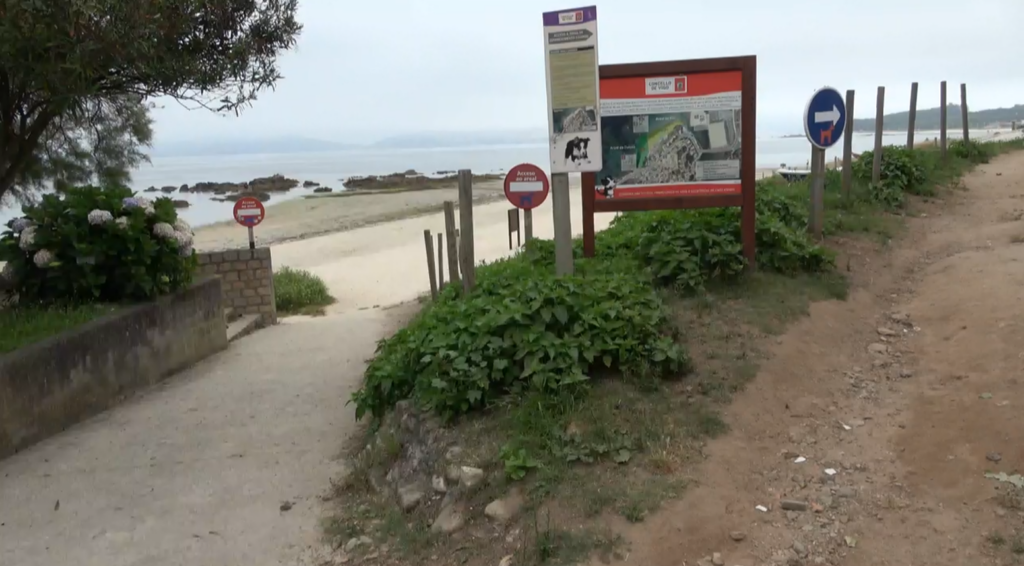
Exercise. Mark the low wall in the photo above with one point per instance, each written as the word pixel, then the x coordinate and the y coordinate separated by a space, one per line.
pixel 50 385
pixel 248 277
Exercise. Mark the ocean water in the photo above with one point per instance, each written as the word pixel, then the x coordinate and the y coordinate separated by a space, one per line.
pixel 329 168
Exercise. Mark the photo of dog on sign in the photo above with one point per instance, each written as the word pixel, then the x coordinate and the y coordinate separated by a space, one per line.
pixel 576 151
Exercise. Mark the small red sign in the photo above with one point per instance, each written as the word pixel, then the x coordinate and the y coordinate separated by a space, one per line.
pixel 249 211
pixel 526 186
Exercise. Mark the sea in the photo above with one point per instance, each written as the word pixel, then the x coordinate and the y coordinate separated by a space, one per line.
pixel 330 168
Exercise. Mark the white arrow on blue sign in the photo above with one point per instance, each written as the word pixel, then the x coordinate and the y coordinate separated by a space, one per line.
pixel 825 118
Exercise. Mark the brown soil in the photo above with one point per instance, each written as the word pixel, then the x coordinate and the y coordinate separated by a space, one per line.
pixel 909 426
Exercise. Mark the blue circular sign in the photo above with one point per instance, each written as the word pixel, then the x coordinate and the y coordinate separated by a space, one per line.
pixel 825 118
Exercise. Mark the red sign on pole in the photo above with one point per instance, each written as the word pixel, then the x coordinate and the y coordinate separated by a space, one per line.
pixel 526 186
pixel 249 211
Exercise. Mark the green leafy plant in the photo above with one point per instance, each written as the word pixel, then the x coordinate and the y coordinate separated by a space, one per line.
pixel 522 329
pixel 97 244
pixel 901 172
pixel 517 462
pixel 299 291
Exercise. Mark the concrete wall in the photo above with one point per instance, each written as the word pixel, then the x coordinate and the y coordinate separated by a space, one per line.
pixel 248 277
pixel 50 385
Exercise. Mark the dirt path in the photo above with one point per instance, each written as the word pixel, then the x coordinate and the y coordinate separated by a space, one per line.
pixel 900 399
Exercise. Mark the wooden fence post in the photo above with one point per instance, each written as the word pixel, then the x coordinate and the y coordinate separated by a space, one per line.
pixel 964 113
pixel 848 146
pixel 429 241
pixel 440 261
pixel 467 255
pixel 449 230
pixel 876 169
pixel 942 119
pixel 913 116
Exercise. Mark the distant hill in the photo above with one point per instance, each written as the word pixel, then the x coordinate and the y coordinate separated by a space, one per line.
pixel 930 119
pixel 245 146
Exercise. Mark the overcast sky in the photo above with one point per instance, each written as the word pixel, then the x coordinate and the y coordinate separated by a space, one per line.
pixel 367 70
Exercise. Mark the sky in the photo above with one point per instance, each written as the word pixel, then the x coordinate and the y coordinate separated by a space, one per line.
pixel 363 71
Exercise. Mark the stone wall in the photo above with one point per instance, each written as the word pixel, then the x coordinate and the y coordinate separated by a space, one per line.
pixel 50 385
pixel 248 281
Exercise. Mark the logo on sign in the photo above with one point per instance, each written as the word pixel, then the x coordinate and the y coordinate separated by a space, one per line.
pixel 570 17
pixel 666 85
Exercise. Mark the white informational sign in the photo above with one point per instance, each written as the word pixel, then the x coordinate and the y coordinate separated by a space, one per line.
pixel 574 116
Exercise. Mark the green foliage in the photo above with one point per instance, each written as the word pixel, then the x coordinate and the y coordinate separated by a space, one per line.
pixel 97 244
pixel 299 291
pixel 970 151
pixel 517 462
pixel 59 59
pixel 522 329
pixel 902 172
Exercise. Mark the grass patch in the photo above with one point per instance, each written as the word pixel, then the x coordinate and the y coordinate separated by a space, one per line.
pixel 300 292
pixel 24 325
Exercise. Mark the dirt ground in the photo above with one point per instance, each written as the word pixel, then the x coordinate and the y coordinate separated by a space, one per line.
pixel 895 402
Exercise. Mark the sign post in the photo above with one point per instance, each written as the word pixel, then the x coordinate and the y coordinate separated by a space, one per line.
pixel 574 120
pixel 527 187
pixel 824 122
pixel 249 212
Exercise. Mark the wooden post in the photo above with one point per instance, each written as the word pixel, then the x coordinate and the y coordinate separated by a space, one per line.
pixel 913 116
pixel 963 112
pixel 440 261
pixel 848 146
pixel 563 223
pixel 467 255
pixel 528 224
pixel 942 119
pixel 817 209
pixel 876 170
pixel 429 241
pixel 453 253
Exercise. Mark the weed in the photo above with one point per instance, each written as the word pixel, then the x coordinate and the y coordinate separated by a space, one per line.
pixel 996 538
pixel 300 292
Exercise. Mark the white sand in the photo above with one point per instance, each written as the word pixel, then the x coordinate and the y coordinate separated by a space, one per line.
pixel 386 264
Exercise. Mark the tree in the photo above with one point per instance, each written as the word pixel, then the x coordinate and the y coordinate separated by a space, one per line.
pixel 59 58
pixel 98 140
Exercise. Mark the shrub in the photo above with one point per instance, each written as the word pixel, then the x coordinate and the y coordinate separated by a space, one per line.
pixel 522 329
pixel 902 172
pixel 296 291
pixel 97 244
pixel 971 151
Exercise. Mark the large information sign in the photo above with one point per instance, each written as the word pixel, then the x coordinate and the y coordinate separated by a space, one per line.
pixel 574 121
pixel 671 135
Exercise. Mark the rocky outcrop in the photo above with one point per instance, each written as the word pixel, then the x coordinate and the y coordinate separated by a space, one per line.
pixel 323 190
pixel 308 184
pixel 168 189
pixel 179 203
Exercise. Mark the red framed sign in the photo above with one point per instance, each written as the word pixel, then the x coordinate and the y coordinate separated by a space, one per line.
pixel 676 134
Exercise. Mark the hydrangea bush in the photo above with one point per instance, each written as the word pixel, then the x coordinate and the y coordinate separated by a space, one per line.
pixel 97 244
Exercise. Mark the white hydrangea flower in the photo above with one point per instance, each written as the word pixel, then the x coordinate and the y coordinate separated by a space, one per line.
pixel 21 224
pixel 7 273
pixel 122 222
pixel 163 230
pixel 143 202
pixel 149 210
pixel 43 259
pixel 185 251
pixel 184 239
pixel 98 217
pixel 27 239
pixel 182 226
